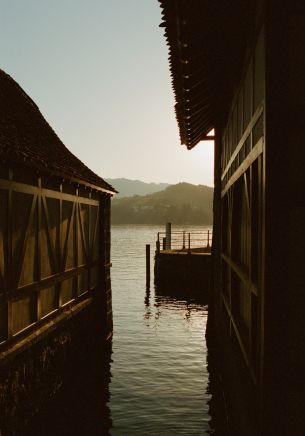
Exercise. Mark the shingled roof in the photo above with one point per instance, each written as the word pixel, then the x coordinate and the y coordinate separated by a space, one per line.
pixel 206 42
pixel 26 138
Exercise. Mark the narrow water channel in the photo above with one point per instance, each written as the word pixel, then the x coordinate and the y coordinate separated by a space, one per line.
pixel 160 382
pixel 154 379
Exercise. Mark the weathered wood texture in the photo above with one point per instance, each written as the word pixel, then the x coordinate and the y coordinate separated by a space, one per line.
pixel 54 245
pixel 242 156
pixel 183 273
pixel 33 371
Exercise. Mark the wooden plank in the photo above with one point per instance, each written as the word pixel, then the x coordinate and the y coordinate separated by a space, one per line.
pixel 24 241
pixel 26 290
pixel 82 233
pixel 65 247
pixel 50 242
pixel 239 339
pixel 95 232
pixel 241 274
pixel 2 281
pixel 10 277
pixel 208 138
pixel 252 156
pixel 246 187
pixel 245 135
pixel 34 190
pixel 75 242
pixel 60 237
pixel 7 346
pixel 38 254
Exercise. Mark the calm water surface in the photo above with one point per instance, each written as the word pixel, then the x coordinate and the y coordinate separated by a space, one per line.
pixel 154 379
pixel 160 382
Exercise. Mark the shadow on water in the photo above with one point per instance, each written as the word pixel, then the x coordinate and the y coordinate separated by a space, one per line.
pixel 84 406
pixel 182 294
pixel 81 407
pixel 197 299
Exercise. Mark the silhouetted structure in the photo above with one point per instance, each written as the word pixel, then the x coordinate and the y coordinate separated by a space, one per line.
pixel 55 290
pixel 239 67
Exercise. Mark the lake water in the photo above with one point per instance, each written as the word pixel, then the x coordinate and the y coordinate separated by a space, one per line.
pixel 160 382
pixel 155 378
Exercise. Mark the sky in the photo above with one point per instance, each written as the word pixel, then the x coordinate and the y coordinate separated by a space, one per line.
pixel 98 70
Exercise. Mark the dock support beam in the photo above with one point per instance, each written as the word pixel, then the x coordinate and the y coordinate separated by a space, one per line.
pixel 168 236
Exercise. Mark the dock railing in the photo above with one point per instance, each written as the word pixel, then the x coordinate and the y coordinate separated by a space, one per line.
pixel 184 240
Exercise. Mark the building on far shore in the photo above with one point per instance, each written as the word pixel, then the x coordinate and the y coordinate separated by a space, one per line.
pixel 55 289
pixel 239 68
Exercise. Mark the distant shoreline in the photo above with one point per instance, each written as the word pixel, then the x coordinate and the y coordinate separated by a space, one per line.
pixel 182 204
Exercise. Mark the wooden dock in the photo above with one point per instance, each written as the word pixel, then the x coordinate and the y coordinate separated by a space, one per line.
pixel 184 270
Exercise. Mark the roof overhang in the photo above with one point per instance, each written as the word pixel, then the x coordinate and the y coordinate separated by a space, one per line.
pixel 207 40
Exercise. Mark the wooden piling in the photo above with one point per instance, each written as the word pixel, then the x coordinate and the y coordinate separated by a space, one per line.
pixel 168 236
pixel 147 265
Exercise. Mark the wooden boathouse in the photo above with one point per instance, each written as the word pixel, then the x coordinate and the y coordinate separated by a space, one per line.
pixel 55 289
pixel 239 68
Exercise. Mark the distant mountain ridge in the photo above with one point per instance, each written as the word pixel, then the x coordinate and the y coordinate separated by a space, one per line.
pixel 182 203
pixel 128 187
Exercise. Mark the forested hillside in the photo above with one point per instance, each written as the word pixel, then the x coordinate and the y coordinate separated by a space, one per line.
pixel 183 203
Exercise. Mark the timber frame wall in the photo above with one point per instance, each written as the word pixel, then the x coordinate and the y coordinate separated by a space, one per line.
pixel 54 249
pixel 242 211
pixel 260 250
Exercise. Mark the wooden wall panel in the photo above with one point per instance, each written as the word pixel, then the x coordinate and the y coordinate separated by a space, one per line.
pixel 22 215
pixel 243 191
pixel 259 72
pixel 94 276
pixel 23 313
pixel 47 267
pixel 51 248
pixel 67 291
pixel 3 238
pixel 83 282
pixel 29 254
pixel 67 231
pixel 83 233
pixel 94 233
pixel 3 321
pixel 49 234
pixel 48 300
pixel 247 112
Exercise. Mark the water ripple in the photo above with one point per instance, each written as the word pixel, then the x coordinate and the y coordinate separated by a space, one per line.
pixel 160 380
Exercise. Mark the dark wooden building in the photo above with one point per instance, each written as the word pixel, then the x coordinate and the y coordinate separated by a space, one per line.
pixel 239 67
pixel 55 290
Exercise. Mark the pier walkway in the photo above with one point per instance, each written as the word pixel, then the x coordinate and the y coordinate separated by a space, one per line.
pixel 182 261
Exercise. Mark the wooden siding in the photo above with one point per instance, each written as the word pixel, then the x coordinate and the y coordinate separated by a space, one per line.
pixel 52 249
pixel 242 180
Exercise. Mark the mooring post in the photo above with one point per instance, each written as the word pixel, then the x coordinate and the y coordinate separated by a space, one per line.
pixel 158 244
pixel 189 244
pixel 208 238
pixel 168 236
pixel 183 243
pixel 164 243
pixel 147 265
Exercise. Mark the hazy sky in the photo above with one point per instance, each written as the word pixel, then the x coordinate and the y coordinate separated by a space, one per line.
pixel 98 70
